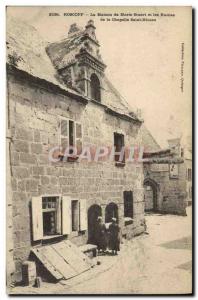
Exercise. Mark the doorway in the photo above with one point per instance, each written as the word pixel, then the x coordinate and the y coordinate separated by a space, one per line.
pixel 93 213
pixel 111 211
pixel 150 196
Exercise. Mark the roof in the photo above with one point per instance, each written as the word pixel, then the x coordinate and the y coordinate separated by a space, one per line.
pixel 26 52
pixel 148 141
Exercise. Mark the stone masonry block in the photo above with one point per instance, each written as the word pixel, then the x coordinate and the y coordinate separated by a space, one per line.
pixel 37 137
pixel 28 158
pixel 36 148
pixel 24 134
pixel 44 180
pixel 21 146
pixel 32 185
pixel 20 172
pixel 36 171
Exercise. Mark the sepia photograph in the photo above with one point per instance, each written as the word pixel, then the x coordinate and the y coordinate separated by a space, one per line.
pixel 99 174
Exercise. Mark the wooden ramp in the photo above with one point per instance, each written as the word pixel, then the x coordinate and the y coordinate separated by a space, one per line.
pixel 63 260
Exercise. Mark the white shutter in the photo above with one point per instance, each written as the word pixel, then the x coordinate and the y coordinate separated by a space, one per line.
pixel 58 203
pixel 78 137
pixel 37 218
pixel 83 214
pixel 66 215
pixel 64 133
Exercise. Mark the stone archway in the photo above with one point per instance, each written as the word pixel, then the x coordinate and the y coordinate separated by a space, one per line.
pixel 94 212
pixel 150 195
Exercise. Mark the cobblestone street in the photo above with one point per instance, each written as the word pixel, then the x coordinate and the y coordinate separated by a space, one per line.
pixel 158 262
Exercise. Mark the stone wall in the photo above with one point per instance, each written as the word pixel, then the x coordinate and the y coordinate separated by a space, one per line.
pixel 171 193
pixel 34 115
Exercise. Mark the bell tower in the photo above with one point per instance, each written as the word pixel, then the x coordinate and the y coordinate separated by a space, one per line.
pixel 90 64
pixel 78 61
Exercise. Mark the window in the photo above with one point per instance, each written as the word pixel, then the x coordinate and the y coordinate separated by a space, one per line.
pixel 128 204
pixel 189 174
pixel 118 144
pixel 55 215
pixel 128 207
pixel 95 88
pixel 49 210
pixel 70 135
pixel 75 215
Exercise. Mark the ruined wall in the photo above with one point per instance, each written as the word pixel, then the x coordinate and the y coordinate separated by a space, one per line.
pixel 34 121
pixel 171 193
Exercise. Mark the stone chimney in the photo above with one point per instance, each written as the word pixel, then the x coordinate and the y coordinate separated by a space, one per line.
pixel 90 28
pixel 73 30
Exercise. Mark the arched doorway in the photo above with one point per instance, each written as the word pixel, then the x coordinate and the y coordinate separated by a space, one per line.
pixel 111 211
pixel 150 195
pixel 93 213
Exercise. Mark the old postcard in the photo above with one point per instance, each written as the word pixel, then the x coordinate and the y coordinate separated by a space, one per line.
pixel 99 150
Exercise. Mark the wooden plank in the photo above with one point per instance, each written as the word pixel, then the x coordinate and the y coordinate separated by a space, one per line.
pixel 37 218
pixel 71 257
pixel 76 250
pixel 83 214
pixel 66 215
pixel 58 262
pixel 52 269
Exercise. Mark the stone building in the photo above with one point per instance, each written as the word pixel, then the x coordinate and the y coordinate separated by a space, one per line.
pixel 164 177
pixel 58 94
pixel 184 150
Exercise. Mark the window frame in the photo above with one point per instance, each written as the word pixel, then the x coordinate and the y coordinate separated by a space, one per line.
pixel 128 219
pixel 57 215
pixel 71 159
pixel 117 162
pixel 93 88
pixel 64 231
pixel 78 216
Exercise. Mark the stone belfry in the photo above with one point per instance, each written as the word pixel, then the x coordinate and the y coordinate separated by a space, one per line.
pixel 78 61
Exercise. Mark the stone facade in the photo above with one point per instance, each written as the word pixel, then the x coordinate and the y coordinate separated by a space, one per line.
pixel 168 191
pixel 35 110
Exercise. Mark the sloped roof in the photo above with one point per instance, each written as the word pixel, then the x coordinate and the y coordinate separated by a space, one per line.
pixel 26 50
pixel 148 141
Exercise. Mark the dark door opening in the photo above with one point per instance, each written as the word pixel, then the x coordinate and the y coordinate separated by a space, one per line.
pixel 49 223
pixel 93 213
pixel 111 211
pixel 150 198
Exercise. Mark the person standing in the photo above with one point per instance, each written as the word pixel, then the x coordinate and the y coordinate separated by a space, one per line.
pixel 100 235
pixel 114 237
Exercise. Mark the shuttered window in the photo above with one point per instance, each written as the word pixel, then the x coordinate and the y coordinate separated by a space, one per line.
pixel 78 132
pixel 64 134
pixel 57 215
pixel 118 144
pixel 71 135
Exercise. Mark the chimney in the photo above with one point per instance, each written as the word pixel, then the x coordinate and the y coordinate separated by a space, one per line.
pixel 90 28
pixel 73 30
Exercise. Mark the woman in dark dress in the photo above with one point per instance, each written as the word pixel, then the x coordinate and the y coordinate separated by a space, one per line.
pixel 114 237
pixel 100 235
